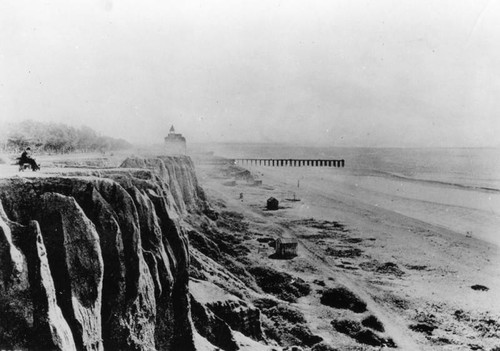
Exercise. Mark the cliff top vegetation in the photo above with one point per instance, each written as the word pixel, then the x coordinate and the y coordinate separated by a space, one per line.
pixel 56 138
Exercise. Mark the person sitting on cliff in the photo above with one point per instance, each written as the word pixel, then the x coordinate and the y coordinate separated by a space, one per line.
pixel 26 158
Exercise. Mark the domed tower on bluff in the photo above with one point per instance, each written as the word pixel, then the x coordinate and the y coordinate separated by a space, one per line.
pixel 175 143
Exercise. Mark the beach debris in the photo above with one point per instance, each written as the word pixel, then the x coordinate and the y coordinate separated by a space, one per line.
pixel 241 196
pixel 343 298
pixel 286 248
pixel 272 204
pixel 478 287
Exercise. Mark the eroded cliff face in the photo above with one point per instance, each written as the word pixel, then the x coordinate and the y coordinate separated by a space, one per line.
pixel 177 173
pixel 98 260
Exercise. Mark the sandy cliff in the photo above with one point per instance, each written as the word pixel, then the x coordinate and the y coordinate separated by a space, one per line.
pixel 98 260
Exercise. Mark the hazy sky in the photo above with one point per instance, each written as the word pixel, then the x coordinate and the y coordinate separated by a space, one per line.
pixel 371 73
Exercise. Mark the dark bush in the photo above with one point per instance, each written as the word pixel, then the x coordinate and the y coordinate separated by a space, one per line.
pixel 344 299
pixel 479 287
pixel 265 303
pixel 290 314
pixel 372 322
pixel 285 324
pixel 302 332
pixel 366 336
pixel 362 335
pixel 423 328
pixel 390 268
pixel 346 326
pixel 282 285
pixel 319 282
pixel 351 252
pixel 233 221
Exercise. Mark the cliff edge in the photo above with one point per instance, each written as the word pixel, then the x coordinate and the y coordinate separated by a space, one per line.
pixel 98 259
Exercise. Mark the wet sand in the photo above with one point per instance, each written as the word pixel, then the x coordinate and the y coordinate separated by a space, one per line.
pixel 465 211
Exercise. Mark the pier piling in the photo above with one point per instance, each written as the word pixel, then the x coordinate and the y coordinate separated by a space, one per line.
pixel 290 162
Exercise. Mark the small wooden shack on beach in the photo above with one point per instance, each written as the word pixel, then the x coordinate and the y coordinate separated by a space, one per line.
pixel 272 204
pixel 286 247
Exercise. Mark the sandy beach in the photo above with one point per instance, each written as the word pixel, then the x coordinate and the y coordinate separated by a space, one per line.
pixel 424 258
pixel 415 253
pixel 464 211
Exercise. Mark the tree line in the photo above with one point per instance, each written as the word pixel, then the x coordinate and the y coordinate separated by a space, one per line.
pixel 56 138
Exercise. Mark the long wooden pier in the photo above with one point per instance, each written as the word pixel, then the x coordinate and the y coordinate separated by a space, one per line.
pixel 288 162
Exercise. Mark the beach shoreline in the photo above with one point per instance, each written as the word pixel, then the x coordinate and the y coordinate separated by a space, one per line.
pixel 433 267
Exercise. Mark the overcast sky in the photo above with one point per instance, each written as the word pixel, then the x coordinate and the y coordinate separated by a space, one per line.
pixel 347 73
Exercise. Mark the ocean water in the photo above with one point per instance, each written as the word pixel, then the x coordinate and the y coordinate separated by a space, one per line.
pixel 462 167
pixel 454 188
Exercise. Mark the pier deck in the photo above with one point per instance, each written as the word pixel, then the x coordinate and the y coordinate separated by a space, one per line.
pixel 289 162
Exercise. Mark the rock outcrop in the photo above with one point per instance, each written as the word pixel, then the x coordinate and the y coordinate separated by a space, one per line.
pixel 214 303
pixel 98 260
